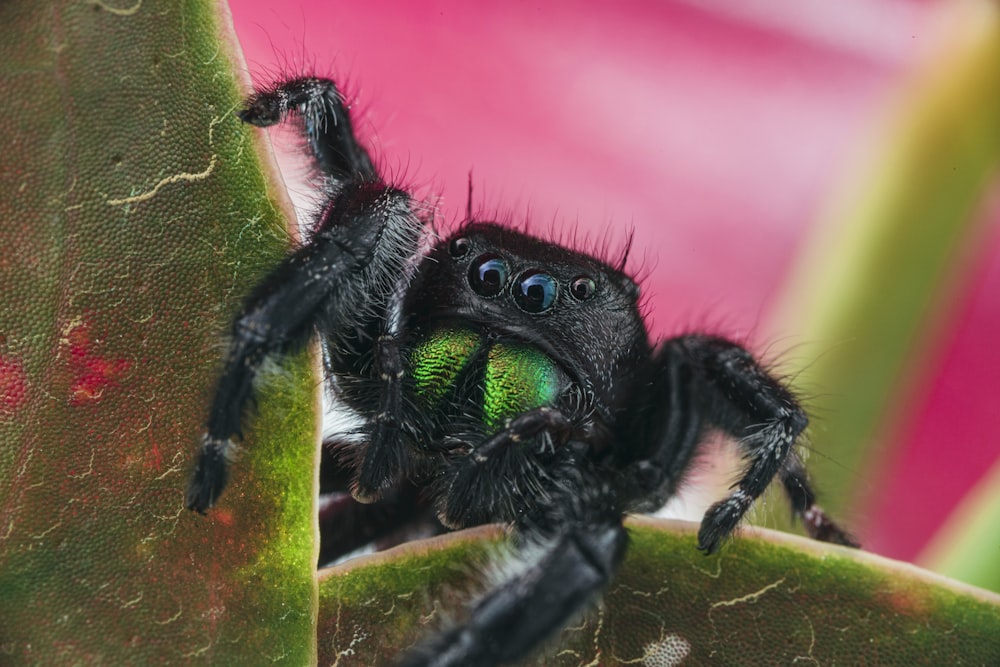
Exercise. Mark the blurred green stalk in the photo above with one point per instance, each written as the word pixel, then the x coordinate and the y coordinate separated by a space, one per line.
pixel 880 272
pixel 968 546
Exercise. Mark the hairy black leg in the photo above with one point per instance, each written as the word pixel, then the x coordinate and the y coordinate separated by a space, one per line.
pixel 354 259
pixel 365 237
pixel 346 525
pixel 276 319
pixel 818 525
pixel 701 382
pixel 504 473
pixel 747 403
pixel 666 428
pixel 327 123
pixel 565 573
pixel 383 458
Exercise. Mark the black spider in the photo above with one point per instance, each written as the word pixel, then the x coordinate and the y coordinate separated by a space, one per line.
pixel 502 379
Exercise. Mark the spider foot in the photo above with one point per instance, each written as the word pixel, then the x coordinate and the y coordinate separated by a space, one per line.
pixel 721 520
pixel 821 527
pixel 210 474
pixel 263 109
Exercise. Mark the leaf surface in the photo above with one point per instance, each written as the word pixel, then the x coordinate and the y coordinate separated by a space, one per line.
pixel 134 214
pixel 767 598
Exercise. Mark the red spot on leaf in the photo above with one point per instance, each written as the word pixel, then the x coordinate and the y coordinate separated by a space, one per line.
pixel 13 384
pixel 909 603
pixel 93 374
pixel 223 516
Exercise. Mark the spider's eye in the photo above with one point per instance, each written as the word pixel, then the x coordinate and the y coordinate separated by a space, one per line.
pixel 535 292
pixel 582 288
pixel 488 275
pixel 459 247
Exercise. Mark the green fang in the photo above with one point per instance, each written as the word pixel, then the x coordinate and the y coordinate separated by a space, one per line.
pixel 518 378
pixel 437 361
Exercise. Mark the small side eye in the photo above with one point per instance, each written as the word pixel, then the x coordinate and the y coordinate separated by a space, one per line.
pixel 535 292
pixel 488 275
pixel 582 288
pixel 459 247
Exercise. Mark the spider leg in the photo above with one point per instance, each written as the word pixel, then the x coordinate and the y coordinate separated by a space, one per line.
pixel 327 124
pixel 818 525
pixel 382 460
pixel 703 381
pixel 276 319
pixel 369 232
pixel 562 576
pixel 341 281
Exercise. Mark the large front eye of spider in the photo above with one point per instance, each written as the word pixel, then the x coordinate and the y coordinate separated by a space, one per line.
pixel 535 292
pixel 488 275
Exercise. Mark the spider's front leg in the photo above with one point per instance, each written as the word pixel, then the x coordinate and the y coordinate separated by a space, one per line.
pixel 326 123
pixel 562 573
pixel 700 382
pixel 340 281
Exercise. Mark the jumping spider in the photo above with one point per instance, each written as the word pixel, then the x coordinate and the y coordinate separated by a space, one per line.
pixel 502 378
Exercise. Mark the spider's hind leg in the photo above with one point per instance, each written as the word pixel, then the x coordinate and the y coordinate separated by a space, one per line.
pixel 817 523
pixel 700 382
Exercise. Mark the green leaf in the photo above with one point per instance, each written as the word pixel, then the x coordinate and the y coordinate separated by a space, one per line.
pixel 768 598
pixel 135 215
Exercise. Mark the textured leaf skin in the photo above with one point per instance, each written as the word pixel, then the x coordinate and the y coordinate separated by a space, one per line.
pixel 134 215
pixel 767 599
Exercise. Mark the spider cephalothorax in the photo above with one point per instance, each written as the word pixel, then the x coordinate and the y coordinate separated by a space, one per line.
pixel 500 378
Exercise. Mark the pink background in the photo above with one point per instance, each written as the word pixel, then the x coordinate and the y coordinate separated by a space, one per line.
pixel 715 136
